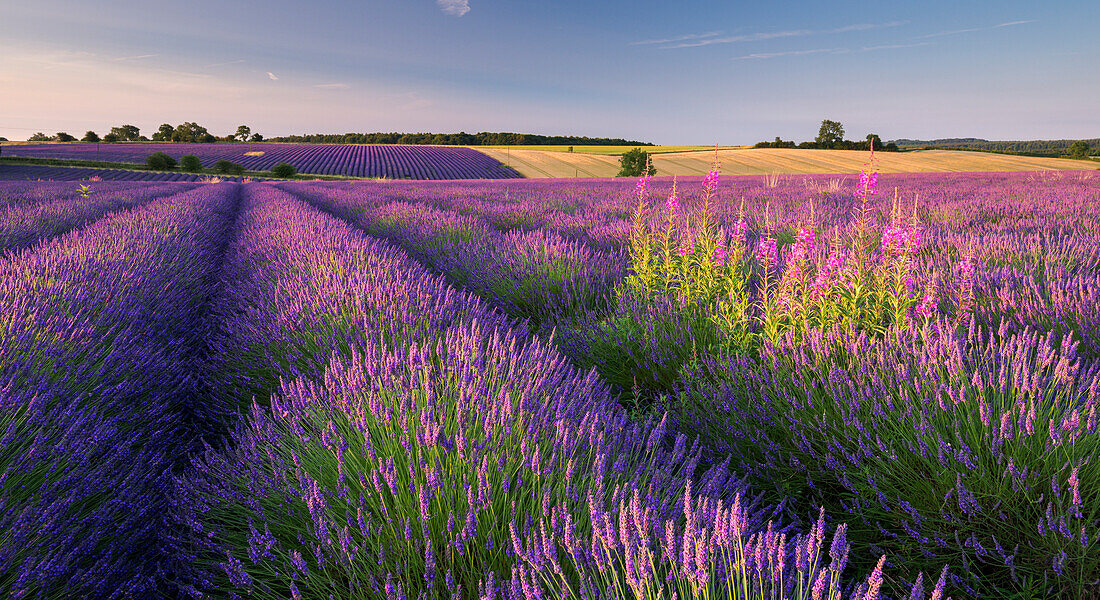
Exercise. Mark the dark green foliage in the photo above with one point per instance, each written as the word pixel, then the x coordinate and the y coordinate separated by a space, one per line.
pixel 111 138
pixel 1022 147
pixel 90 136
pixel 243 132
pixel 284 170
pixel 39 137
pixel 778 143
pixel 191 164
pixel 634 163
pixel 256 138
pixel 831 144
pixel 164 133
pixel 830 133
pixel 64 137
pixel 126 133
pixel 228 167
pixel 189 132
pixel 1078 149
pixel 456 139
pixel 159 161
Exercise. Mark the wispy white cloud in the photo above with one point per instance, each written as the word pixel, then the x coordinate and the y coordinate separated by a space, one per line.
pixel 893 46
pixel 680 38
pixel 332 86
pixel 222 64
pixel 121 58
pixel 973 29
pixel 454 7
pixel 764 55
pixel 771 35
pixel 272 76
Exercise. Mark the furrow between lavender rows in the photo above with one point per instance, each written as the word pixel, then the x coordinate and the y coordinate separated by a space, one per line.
pixel 24 223
pixel 414 442
pixel 98 384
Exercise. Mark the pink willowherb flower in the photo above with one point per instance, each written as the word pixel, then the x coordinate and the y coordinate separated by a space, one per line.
pixel 643 186
pixel 767 252
pixel 720 254
pixel 673 203
pixel 867 183
pixel 901 241
pixel 710 182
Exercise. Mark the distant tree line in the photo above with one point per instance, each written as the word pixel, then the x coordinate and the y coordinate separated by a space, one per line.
pixel 461 138
pixel 1024 147
pixel 190 132
pixel 195 133
pixel 830 136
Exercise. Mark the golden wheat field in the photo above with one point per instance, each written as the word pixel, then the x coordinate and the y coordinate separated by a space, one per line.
pixel 757 161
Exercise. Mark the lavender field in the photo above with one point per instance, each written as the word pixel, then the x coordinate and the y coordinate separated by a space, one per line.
pixel 826 387
pixel 15 172
pixel 388 161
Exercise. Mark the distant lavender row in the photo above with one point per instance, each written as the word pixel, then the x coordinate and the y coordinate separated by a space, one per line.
pixel 13 193
pixel 535 275
pixel 97 395
pixel 388 161
pixel 29 218
pixel 44 173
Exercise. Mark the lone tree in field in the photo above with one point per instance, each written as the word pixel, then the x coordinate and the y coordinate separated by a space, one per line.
pixel 634 163
pixel 90 136
pixel 1078 149
pixel 243 132
pixel 830 134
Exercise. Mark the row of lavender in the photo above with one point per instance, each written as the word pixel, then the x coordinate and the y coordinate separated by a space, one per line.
pixel 46 174
pixel 100 348
pixel 353 160
pixel 983 371
pixel 28 215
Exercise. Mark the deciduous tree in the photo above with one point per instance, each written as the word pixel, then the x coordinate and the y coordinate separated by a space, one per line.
pixel 830 133
pixel 635 162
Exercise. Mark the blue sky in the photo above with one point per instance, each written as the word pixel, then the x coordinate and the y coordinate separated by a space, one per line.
pixel 668 72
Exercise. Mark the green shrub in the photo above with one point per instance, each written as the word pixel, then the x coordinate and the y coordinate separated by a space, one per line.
pixel 159 161
pixel 191 164
pixel 635 163
pixel 228 167
pixel 284 170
